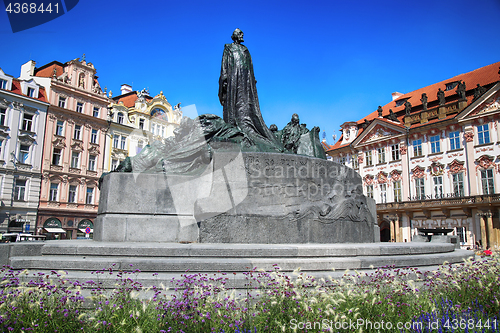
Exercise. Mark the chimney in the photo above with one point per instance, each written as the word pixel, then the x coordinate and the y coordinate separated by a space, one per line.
pixel 396 95
pixel 27 70
pixel 126 89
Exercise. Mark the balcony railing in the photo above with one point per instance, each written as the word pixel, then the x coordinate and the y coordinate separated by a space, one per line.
pixel 450 201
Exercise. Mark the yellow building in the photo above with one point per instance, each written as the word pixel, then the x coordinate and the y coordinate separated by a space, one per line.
pixel 136 120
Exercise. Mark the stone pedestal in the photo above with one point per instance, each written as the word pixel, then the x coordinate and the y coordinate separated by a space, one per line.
pixel 239 198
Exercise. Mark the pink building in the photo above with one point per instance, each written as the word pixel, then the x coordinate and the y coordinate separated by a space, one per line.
pixel 73 152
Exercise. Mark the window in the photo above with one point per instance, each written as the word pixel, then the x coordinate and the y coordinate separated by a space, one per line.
pixel 420 187
pixel 90 196
pixel 383 193
pixel 400 102
pixel 60 128
pixel 483 134
pixel 435 146
pixel 77 133
pixel 1 147
pixel 3 84
pixel 458 184
pixel 398 197
pixel 24 152
pixel 487 181
pixel 342 160
pixel 162 131
pixel 417 147
pixel 93 136
pixel 438 186
pixel 462 234
pixel 79 107
pixel 119 118
pixel 153 128
pixel 75 159
pixel 92 162
pixel 3 114
pixel 123 143
pixel 116 140
pixel 140 145
pixel 19 189
pixel 62 102
pixel 31 92
pixel 395 152
pixel 72 194
pixel 27 122
pixel 141 123
pixel 114 164
pixel 53 191
pixel 96 112
pixel 369 191
pixel 381 155
pixel 56 157
pixel 454 140
pixel 451 85
pixel 354 161
pixel 368 156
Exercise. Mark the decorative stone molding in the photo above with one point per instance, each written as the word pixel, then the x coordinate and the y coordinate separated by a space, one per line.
pixel 93 149
pixel 56 167
pixel 436 169
pixel 469 136
pixel 382 177
pixel 369 180
pixel 396 175
pixel 53 204
pixel 77 145
pixel 418 172
pixel 26 139
pixel 403 149
pixel 484 162
pixel 456 167
pixel 59 143
pixel 361 157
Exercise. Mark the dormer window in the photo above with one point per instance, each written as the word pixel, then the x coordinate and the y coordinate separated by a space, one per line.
pixel 5 81
pixel 31 92
pixel 29 88
pixel 451 85
pixel 119 118
pixel 400 102
pixel 27 122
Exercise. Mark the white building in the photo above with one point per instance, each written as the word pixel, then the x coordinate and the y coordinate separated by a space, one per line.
pixel 23 113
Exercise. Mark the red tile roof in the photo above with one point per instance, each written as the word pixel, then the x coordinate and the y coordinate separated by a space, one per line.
pixel 129 99
pixel 47 70
pixel 485 76
pixel 16 89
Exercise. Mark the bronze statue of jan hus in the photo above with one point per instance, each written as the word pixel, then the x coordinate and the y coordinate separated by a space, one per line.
pixel 238 93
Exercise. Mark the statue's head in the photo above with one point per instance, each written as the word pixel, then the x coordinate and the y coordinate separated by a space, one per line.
pixel 273 128
pixel 295 118
pixel 237 36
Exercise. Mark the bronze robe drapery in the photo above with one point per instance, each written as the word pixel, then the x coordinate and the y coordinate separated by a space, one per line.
pixel 238 96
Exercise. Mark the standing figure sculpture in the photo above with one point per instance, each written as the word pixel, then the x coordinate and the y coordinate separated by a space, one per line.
pixel 238 94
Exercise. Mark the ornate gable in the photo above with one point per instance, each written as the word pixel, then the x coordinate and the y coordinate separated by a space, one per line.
pixel 396 175
pixel 456 167
pixel 418 172
pixel 485 162
pixel 436 169
pixel 377 133
pixel 369 180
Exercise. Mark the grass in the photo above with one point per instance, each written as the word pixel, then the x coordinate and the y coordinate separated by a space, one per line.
pixel 454 298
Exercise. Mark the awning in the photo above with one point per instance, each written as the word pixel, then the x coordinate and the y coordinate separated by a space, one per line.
pixel 55 230
pixel 83 230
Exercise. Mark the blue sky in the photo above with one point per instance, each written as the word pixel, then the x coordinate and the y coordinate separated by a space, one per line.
pixel 328 61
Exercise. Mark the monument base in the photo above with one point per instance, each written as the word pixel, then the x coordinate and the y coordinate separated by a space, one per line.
pixel 240 197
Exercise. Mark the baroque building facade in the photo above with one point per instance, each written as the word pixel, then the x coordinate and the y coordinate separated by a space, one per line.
pixel 23 112
pixel 430 159
pixel 73 149
pixel 136 120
